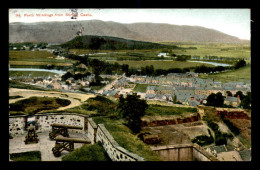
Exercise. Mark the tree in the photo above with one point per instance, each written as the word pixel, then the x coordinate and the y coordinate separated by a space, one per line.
pixel 216 100
pixel 131 109
pixel 240 94
pixel 219 99
pixel 240 63
pixel 246 102
pixel 229 93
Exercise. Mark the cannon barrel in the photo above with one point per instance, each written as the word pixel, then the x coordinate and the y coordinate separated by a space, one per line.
pixel 60 138
pixel 65 126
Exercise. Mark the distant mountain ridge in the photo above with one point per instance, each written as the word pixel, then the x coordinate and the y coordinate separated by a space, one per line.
pixel 61 32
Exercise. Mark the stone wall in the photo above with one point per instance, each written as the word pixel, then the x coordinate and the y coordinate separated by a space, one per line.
pixel 17 125
pixel 115 152
pixel 44 121
pixel 92 130
pixel 183 152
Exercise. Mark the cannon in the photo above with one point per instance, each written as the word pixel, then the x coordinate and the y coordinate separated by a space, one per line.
pixel 65 143
pixel 31 136
pixel 61 129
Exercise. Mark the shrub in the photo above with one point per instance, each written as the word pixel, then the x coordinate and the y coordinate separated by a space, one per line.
pixel 203 140
pixel 94 152
pixel 26 156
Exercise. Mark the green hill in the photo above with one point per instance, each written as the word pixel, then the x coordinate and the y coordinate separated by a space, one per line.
pixel 111 43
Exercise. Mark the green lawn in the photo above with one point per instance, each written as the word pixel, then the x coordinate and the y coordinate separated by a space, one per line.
pixel 141 87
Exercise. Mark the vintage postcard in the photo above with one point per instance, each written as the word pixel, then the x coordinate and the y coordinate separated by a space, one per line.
pixel 129 84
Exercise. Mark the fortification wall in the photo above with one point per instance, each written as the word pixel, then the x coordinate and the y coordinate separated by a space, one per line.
pixel 92 130
pixel 183 152
pixel 115 152
pixel 17 124
pixel 44 121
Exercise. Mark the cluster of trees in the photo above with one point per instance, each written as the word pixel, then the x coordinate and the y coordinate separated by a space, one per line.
pixel 183 57
pixel 131 109
pixel 220 138
pixel 217 100
pixel 239 64
pixel 30 45
pixel 99 67
pixel 216 58
pixel 205 69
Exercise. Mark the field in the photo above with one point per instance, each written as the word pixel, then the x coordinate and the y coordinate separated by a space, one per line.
pixel 239 75
pixel 165 64
pixel 215 49
pixel 31 73
pixel 142 87
pixel 36 58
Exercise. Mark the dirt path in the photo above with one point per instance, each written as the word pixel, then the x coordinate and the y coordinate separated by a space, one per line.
pixel 76 99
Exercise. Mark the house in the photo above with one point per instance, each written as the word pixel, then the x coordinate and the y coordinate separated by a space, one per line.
pixel 163 54
pixel 150 96
pixel 191 101
pixel 233 101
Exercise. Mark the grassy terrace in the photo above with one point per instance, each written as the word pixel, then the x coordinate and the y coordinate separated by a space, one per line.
pixel 126 139
pixel 159 110
pixel 239 75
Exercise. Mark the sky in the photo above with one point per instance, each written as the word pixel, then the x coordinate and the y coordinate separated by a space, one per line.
pixel 235 22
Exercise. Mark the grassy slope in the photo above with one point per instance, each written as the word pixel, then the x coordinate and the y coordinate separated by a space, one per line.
pixel 126 139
